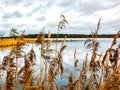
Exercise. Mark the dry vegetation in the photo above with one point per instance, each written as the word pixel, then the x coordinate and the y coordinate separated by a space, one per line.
pixel 103 69
pixel 10 42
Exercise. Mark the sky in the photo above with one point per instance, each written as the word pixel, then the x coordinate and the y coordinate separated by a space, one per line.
pixel 82 15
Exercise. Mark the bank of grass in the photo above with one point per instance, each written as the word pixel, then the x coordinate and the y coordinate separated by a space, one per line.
pixel 11 41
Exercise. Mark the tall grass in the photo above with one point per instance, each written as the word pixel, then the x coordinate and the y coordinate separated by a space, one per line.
pixel 103 69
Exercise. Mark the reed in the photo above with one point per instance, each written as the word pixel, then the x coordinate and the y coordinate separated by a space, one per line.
pixel 102 72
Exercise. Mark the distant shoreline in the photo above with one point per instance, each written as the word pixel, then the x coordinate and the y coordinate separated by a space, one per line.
pixel 10 42
pixel 69 36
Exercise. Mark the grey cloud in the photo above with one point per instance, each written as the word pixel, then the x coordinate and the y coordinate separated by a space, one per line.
pixel 115 3
pixel 11 2
pixel 41 19
pixel 66 3
pixel 111 26
pixel 62 3
pixel 41 8
pixel 28 28
pixel 29 3
pixel 85 8
pixel 6 15
pixel 16 14
pixel 5 25
pixel 79 30
pixel 70 29
pixel 21 25
pixel 89 8
pixel 33 11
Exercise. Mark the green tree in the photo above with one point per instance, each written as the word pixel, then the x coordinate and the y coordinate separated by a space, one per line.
pixel 13 33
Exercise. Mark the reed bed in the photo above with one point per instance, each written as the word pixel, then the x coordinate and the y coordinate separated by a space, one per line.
pixel 103 69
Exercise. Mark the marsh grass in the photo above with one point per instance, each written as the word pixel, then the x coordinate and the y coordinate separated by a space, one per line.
pixel 103 69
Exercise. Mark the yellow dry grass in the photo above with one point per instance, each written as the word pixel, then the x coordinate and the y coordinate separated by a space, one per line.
pixel 30 40
pixel 11 41
pixel 5 42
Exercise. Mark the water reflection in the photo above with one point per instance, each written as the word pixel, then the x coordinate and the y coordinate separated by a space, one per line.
pixel 68 54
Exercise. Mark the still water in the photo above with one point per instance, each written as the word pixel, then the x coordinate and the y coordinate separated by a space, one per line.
pixel 68 54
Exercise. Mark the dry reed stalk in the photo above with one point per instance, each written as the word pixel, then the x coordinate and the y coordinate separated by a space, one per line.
pixel 40 81
pixel 17 48
pixel 75 64
pixel 55 64
pixel 110 73
pixel 0 76
pixel 40 37
pixel 75 69
pixel 70 80
pixel 90 85
pixel 113 81
pixel 16 53
pixel 51 76
pixel 60 59
pixel 48 43
pixel 111 56
pixel 115 40
pixel 40 41
pixel 83 76
pixel 62 22
pixel 7 67
pixel 72 85
pixel 98 27
pixel 60 56
pixel 26 72
pixel 0 79
pixel 61 25
pixel 10 68
pixel 48 59
pixel 94 66
pixel 46 54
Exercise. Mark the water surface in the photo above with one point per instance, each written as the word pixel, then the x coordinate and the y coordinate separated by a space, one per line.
pixel 68 54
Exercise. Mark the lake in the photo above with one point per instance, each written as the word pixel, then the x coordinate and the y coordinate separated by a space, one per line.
pixel 68 54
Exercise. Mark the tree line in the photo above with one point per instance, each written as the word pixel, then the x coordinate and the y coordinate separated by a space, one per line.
pixel 72 36
pixel 14 34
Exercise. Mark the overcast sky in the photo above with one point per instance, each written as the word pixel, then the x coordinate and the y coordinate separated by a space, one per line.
pixel 82 15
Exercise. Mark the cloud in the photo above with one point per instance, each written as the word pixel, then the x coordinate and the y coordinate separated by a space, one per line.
pixel 6 15
pixel 33 11
pixel 28 3
pixel 5 25
pixel 33 15
pixel 15 14
pixel 12 2
pixel 41 19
